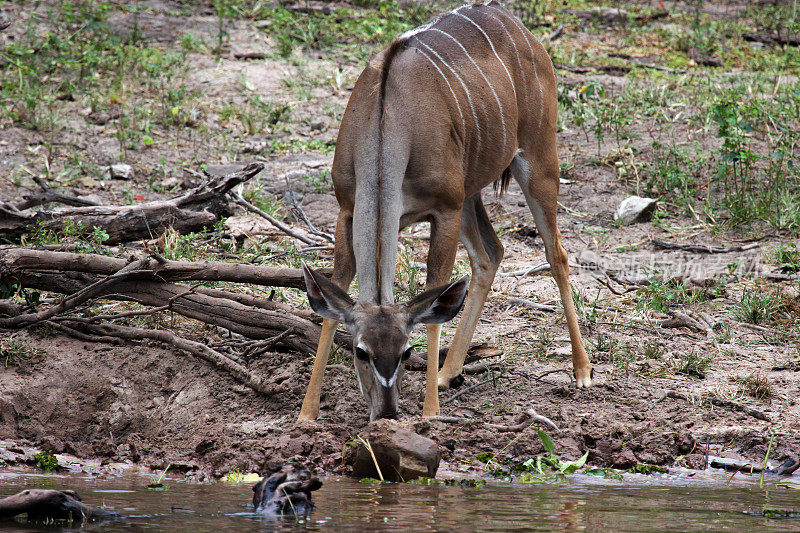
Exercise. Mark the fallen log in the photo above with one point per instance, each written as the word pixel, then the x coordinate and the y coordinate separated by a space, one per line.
pixel 199 207
pixel 14 259
pixel 250 317
pixel 772 38
pixel 703 249
pixel 46 504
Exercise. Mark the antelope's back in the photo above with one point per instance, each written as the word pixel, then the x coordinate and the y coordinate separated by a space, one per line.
pixel 473 78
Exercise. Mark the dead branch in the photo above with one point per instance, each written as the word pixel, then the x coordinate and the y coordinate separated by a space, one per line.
pixel 14 260
pixel 772 38
pixel 555 34
pixel 543 267
pixel 251 317
pixel 531 416
pixel 481 367
pixel 531 304
pixel 492 379
pixel 719 402
pixel 272 220
pixel 476 352
pixel 199 207
pixel 51 196
pixel 75 334
pixel 703 249
pixel 299 213
pixel 73 300
pixel 692 321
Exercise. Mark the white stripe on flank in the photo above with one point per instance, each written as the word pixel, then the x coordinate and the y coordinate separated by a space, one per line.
pixel 458 104
pixel 491 45
pixel 499 104
pixel 464 86
pixel 514 44
pixel 533 62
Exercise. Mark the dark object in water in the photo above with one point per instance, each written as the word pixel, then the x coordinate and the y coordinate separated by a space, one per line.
pixel 47 504
pixel 287 491
pixel 786 468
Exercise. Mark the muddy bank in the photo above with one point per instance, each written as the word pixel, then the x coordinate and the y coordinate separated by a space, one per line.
pixel 151 407
pixel 735 387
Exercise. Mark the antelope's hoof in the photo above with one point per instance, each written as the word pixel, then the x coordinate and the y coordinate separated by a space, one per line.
pixel 450 383
pixel 583 377
pixel 306 419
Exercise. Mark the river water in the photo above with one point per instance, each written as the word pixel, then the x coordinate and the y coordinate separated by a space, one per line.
pixel 685 501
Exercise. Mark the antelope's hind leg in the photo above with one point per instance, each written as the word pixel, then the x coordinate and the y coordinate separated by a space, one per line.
pixel 344 270
pixel 539 181
pixel 485 253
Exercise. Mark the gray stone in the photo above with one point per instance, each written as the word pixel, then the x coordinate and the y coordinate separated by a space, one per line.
pixel 121 171
pixel 635 209
pixel 401 454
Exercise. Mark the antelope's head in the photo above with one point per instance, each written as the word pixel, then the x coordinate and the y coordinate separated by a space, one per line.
pixel 380 332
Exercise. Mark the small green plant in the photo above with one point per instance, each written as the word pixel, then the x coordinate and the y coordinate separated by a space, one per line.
pixel 787 256
pixel 16 353
pixel 694 364
pixel 157 483
pixel 766 458
pixel 234 476
pixel 265 201
pixel 756 385
pixel 45 460
pixel 318 181
pixel 647 469
pixel 88 239
pixel 662 295
pixel 297 146
pixel 409 280
pixel 757 306
pixel 608 473
pixel 449 482
pixel 583 306
pixel 549 464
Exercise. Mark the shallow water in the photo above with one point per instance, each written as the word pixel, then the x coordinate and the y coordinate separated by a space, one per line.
pixel 662 502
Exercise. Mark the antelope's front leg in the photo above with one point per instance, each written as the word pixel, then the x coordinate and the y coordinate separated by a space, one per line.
pixel 344 268
pixel 441 258
pixel 485 253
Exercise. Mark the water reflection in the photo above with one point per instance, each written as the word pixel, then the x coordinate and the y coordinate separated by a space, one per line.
pixel 665 503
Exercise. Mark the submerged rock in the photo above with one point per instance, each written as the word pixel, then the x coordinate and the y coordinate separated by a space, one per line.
pixel 401 454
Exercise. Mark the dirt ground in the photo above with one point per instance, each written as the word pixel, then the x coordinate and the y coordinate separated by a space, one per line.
pixel 152 406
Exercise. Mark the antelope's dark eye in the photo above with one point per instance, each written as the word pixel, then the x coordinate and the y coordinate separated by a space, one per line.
pixel 362 354
pixel 406 354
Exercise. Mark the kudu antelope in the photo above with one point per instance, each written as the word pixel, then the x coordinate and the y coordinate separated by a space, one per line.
pixel 466 100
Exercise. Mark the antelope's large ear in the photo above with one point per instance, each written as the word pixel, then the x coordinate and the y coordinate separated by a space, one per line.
pixel 437 306
pixel 326 298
